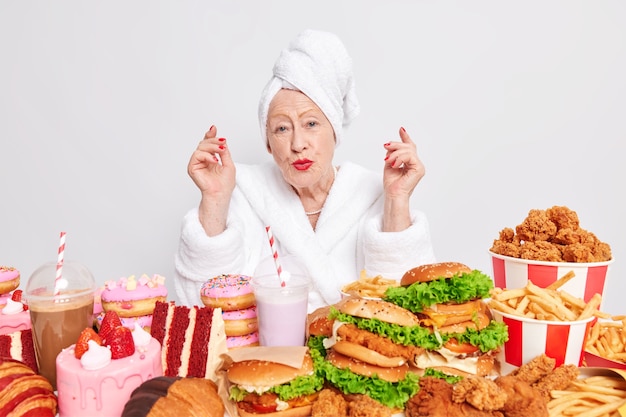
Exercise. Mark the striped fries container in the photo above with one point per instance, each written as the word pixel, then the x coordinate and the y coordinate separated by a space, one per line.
pixel 589 278
pixel 562 340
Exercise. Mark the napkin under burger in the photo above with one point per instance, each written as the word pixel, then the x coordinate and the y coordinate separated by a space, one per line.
pixel 448 299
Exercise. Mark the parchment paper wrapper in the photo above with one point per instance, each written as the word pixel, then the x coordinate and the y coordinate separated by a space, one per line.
pixel 289 355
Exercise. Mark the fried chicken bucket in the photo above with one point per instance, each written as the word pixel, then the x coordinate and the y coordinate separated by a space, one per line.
pixel 587 279
pixel 548 245
pixel 562 340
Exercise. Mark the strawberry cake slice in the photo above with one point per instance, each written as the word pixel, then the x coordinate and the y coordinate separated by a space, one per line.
pixel 16 338
pixel 96 375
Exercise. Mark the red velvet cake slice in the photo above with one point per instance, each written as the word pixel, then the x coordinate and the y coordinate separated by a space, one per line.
pixel 192 339
pixel 19 346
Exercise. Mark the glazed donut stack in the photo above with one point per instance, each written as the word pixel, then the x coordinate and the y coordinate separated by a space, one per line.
pixel 133 299
pixel 233 294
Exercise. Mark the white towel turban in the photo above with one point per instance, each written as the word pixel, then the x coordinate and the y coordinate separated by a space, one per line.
pixel 317 64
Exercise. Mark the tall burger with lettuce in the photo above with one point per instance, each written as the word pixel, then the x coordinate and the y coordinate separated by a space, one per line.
pixel 268 389
pixel 448 299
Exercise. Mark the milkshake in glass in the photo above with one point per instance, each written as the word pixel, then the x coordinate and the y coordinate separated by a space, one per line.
pixel 281 310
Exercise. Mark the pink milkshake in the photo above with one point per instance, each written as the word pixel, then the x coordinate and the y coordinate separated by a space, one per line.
pixel 281 311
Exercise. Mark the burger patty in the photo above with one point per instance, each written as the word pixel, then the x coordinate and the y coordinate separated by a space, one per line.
pixel 382 345
pixel 253 402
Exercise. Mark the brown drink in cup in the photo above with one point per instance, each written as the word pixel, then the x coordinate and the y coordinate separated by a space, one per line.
pixel 58 319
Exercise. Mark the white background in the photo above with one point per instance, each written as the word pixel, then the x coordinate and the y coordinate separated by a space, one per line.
pixel 513 105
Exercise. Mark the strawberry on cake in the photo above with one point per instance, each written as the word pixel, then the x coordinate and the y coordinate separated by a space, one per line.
pixel 96 375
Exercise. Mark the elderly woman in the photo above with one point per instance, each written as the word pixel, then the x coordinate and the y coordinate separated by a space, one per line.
pixel 337 220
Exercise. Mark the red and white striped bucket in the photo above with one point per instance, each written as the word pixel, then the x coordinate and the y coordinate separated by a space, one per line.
pixel 528 338
pixel 589 279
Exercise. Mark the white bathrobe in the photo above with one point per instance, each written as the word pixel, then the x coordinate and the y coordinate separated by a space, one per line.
pixel 346 240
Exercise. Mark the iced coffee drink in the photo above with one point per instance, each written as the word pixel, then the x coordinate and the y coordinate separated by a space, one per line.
pixel 58 318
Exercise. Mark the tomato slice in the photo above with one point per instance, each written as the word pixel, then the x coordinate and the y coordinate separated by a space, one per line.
pixel 456 347
pixel 264 408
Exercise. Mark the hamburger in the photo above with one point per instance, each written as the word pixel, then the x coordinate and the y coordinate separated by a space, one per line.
pixel 365 347
pixel 270 389
pixel 389 386
pixel 448 299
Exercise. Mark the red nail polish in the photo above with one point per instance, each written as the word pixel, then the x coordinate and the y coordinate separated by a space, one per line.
pixel 386 157
pixel 212 127
pixel 222 147
pixel 387 144
pixel 403 129
pixel 222 139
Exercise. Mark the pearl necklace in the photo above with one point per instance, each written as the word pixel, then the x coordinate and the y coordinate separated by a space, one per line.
pixel 313 213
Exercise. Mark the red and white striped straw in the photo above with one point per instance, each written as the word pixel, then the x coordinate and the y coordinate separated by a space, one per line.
pixel 59 272
pixel 279 268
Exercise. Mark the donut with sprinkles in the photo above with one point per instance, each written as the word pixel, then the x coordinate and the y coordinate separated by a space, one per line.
pixel 228 291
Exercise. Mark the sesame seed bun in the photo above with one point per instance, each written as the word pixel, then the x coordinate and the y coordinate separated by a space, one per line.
pixel 430 272
pixel 265 373
pixel 382 310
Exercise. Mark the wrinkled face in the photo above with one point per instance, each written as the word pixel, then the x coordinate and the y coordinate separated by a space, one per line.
pixel 300 138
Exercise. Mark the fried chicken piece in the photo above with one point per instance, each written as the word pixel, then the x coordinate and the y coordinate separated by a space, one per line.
pixel 364 406
pixel 589 249
pixel 536 226
pixel 537 368
pixel 551 235
pixel 541 251
pixel 508 235
pixel 578 252
pixel 559 379
pixel 522 399
pixel 563 217
pixel 507 243
pixel 567 236
pixel 384 346
pixel 329 403
pixel 482 393
pixel 434 399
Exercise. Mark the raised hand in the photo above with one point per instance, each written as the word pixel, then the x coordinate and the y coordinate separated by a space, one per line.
pixel 403 168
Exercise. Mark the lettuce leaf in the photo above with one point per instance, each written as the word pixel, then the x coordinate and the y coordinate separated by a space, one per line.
pixel 458 289
pixel 487 339
pixel 393 395
pixel 402 335
pixel 302 385
pixel 435 373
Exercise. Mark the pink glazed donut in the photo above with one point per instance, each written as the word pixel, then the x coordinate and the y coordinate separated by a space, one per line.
pixel 235 342
pixel 131 297
pixel 228 292
pixel 9 279
pixel 240 322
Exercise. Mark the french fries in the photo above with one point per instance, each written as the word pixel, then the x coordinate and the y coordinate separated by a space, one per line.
pixel 608 339
pixel 371 287
pixel 550 303
pixel 596 396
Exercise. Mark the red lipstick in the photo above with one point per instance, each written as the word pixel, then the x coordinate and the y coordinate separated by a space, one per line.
pixel 302 164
